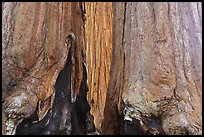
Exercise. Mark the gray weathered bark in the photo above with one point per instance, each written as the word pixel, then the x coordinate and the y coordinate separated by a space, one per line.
pixel 156 64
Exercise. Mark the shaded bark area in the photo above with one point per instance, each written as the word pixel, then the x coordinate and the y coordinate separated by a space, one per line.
pixel 58 120
pixel 65 117
pixel 112 111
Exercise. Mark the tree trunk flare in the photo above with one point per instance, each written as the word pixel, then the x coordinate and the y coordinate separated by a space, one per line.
pixel 37 38
pixel 157 59
pixel 101 68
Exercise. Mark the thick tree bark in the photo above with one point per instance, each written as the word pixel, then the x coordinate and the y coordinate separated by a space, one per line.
pixel 157 59
pixel 98 35
pixel 136 67
pixel 37 38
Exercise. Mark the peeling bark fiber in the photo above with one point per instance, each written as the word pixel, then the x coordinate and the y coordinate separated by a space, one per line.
pixel 102 68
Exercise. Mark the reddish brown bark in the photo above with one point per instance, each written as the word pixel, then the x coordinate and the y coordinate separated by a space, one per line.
pixel 34 53
pixel 98 35
pixel 142 63
pixel 157 65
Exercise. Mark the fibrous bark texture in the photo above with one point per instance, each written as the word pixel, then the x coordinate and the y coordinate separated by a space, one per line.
pixel 122 68
pixel 98 35
pixel 157 59
pixel 36 39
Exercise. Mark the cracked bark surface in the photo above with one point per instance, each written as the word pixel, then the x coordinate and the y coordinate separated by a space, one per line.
pixel 136 67
pixel 37 38
pixel 161 47
pixel 98 35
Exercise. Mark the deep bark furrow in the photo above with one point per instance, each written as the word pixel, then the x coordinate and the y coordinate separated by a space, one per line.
pixel 102 68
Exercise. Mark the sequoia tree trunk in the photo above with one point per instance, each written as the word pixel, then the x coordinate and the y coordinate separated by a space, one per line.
pixel 157 66
pixel 44 78
pixel 117 68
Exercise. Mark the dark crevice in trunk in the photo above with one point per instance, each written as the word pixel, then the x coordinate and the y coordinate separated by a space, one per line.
pixel 154 125
pixel 131 128
pixel 81 118
pixel 151 125
pixel 53 121
pixel 65 117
